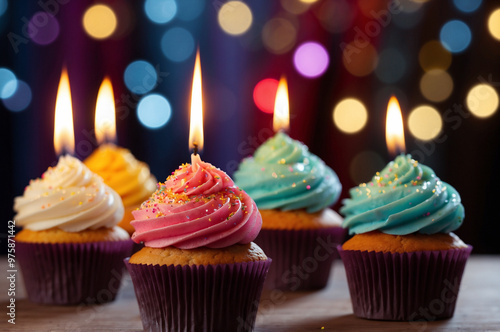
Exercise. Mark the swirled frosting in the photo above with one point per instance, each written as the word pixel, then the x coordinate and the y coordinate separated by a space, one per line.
pixel 283 174
pixel 405 197
pixel 197 206
pixel 130 178
pixel 68 196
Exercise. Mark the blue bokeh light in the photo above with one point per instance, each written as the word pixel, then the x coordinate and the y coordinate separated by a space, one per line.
pixel 8 83
pixel 455 36
pixel 177 44
pixel 140 77
pixel 188 10
pixel 160 11
pixel 3 6
pixel 154 111
pixel 20 99
pixel 467 6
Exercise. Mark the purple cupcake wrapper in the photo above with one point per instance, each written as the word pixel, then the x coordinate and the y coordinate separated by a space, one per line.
pixel 414 286
pixel 72 273
pixel 302 259
pixel 136 247
pixel 221 297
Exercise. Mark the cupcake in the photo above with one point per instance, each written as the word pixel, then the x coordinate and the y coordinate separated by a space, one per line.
pixel 130 178
pixel 293 189
pixel 403 262
pixel 199 270
pixel 70 250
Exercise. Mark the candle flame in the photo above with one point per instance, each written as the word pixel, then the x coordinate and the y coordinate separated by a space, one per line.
pixel 105 118
pixel 281 118
pixel 196 117
pixel 394 132
pixel 64 136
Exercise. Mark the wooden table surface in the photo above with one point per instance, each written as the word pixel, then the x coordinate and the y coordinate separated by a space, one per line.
pixel 478 308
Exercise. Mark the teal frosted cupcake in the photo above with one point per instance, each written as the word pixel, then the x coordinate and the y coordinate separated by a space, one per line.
pixel 293 189
pixel 403 256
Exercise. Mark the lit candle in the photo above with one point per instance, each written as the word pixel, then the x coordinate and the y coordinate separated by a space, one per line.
pixel 281 118
pixel 196 115
pixel 293 189
pixel 130 178
pixel 399 220
pixel 105 118
pixel 69 219
pixel 394 132
pixel 64 137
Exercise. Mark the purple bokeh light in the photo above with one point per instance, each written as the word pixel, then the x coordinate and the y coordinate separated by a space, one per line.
pixel 43 28
pixel 311 59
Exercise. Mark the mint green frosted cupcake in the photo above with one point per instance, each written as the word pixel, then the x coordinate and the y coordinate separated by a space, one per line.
pixel 293 189
pixel 403 256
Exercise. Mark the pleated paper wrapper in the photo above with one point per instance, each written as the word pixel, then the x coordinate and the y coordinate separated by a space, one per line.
pixel 302 259
pixel 414 286
pixel 72 273
pixel 221 297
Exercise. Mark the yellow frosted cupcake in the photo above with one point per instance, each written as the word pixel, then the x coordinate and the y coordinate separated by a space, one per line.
pixel 130 178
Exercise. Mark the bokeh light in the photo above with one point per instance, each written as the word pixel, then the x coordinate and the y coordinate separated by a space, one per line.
pixel 311 59
pixel 154 111
pixel 235 17
pixel 391 66
pixel 160 11
pixel 425 123
pixel 335 15
pixel 295 7
pixel 359 61
pixel 436 85
pixel 364 165
pixel 350 115
pixel 8 83
pixel 279 35
pixel 20 99
pixel 177 44
pixel 188 10
pixel 467 6
pixel 455 36
pixel 3 6
pixel 434 56
pixel 43 28
pixel 264 94
pixel 140 77
pixel 309 1
pixel 482 100
pixel 99 21
pixel 494 24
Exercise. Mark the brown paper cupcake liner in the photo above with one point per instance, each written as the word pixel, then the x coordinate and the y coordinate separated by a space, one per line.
pixel 221 297
pixel 72 273
pixel 302 259
pixel 414 286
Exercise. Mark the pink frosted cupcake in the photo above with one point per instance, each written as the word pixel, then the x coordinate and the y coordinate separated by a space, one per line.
pixel 199 269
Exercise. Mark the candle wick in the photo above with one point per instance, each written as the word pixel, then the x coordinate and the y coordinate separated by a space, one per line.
pixel 195 149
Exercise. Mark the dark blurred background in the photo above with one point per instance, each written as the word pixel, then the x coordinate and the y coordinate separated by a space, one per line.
pixel 343 59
